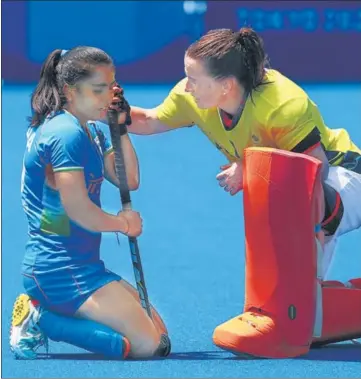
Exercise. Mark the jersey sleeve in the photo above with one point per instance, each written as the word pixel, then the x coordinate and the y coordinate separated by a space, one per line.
pixel 175 111
pixel 66 150
pixel 293 126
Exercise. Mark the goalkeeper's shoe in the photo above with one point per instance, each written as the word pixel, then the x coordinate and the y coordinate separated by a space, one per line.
pixel 25 334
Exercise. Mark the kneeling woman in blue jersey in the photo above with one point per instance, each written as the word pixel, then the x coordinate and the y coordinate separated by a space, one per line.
pixel 70 295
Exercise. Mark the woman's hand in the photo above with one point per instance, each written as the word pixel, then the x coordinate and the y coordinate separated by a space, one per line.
pixel 120 104
pixel 231 177
pixel 134 223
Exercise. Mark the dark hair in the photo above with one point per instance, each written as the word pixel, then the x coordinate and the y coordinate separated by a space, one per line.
pixel 227 53
pixel 60 68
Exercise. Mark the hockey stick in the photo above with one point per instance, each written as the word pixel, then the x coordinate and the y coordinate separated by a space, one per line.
pixel 127 205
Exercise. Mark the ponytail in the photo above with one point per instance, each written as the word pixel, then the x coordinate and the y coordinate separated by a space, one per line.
pixel 254 58
pixel 47 94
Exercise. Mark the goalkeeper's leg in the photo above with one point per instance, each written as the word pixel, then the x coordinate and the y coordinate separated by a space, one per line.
pixel 342 301
pixel 283 206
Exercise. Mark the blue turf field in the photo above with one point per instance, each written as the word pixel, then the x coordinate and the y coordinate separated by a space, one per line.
pixel 192 251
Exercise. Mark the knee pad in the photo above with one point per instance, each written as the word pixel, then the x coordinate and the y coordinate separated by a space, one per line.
pixel 283 209
pixel 86 334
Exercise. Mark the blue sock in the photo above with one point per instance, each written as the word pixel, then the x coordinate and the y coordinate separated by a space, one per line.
pixel 86 334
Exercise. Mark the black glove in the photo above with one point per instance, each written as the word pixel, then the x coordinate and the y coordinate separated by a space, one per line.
pixel 120 105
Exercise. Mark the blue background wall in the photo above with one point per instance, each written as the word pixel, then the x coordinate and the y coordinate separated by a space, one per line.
pixel 315 41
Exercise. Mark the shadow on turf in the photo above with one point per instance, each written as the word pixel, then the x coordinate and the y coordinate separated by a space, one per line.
pixel 344 353
pixel 341 353
pixel 189 355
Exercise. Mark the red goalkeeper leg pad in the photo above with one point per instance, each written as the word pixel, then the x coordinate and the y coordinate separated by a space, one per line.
pixel 283 205
pixel 341 312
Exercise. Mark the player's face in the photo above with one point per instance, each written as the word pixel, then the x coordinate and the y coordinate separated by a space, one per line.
pixel 207 91
pixel 92 96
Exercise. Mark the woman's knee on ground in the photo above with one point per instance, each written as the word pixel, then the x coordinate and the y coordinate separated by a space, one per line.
pixel 163 349
pixel 114 306
pixel 144 347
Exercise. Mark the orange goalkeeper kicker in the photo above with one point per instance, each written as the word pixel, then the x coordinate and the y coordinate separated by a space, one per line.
pixel 283 204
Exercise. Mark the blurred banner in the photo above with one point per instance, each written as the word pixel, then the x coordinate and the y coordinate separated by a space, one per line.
pixel 315 41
